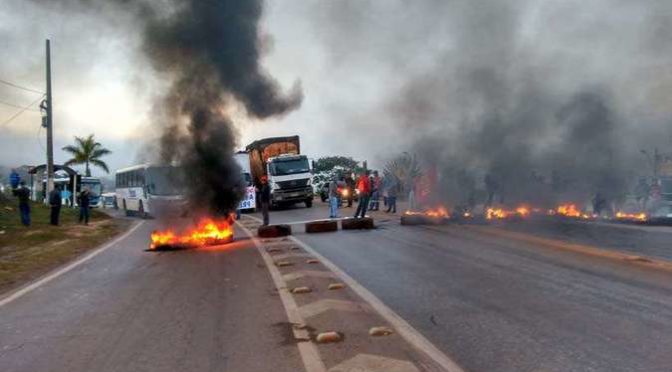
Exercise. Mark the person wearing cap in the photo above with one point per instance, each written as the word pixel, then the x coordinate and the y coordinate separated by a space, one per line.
pixel 265 198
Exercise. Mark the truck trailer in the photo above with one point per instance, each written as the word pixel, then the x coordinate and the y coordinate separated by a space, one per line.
pixel 289 174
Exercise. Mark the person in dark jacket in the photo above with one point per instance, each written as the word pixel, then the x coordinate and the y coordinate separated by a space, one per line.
pixel 84 204
pixel 55 204
pixel 23 194
pixel 265 198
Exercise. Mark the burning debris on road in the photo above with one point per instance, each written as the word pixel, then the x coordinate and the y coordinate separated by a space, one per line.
pixel 208 231
pixel 428 217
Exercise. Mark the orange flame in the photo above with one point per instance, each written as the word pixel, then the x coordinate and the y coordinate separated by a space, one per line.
pixel 631 216
pixel 440 212
pixel 570 210
pixel 499 213
pixel 207 231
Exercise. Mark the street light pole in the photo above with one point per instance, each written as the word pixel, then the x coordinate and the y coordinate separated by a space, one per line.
pixel 50 121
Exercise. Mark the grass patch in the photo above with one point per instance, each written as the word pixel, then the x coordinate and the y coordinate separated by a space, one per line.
pixel 28 252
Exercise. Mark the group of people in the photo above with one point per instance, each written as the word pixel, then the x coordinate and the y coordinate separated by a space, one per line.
pixel 55 199
pixel 370 187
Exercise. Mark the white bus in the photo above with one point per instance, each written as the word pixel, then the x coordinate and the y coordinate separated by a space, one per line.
pixel 149 190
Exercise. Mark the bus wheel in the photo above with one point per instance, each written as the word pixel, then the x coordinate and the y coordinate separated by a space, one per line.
pixel 309 203
pixel 141 210
pixel 126 211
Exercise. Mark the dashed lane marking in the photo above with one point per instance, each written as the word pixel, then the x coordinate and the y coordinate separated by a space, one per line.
pixel 405 330
pixel 32 286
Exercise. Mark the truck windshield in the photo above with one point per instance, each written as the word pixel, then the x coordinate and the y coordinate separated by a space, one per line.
pixel 290 166
pixel 164 181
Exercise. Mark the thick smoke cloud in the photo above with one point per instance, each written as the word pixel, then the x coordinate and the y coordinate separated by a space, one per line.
pixel 209 54
pixel 552 100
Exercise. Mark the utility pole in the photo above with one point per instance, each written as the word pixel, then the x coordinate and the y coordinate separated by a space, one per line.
pixel 50 126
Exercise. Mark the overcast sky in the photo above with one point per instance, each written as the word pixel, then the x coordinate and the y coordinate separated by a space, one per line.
pixel 355 59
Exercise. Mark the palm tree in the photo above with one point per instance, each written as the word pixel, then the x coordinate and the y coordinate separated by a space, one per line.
pixel 87 151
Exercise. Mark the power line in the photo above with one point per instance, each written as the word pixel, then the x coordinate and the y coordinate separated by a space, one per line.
pixel 20 87
pixel 20 112
pixel 16 106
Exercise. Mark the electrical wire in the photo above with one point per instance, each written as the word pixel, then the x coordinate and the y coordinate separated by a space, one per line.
pixel 20 87
pixel 16 106
pixel 20 112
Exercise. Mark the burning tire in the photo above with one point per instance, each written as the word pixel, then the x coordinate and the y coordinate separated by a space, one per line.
pixel 274 231
pixel 357 223
pixel 321 226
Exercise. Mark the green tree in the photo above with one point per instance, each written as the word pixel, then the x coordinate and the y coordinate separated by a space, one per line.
pixel 328 163
pixel 87 151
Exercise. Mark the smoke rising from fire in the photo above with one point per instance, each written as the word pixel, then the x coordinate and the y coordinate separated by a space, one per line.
pixel 208 52
pixel 550 99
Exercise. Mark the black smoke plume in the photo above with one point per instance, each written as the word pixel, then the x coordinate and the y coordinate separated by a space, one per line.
pixel 209 51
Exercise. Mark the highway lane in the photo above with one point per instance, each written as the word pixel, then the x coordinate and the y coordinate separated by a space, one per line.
pixel 211 309
pixel 504 305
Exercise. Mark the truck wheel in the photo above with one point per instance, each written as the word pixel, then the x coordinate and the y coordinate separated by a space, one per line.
pixel 324 198
pixel 309 203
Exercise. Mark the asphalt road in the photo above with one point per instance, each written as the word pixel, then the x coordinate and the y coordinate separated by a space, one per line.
pixel 128 310
pixel 500 305
pixel 490 304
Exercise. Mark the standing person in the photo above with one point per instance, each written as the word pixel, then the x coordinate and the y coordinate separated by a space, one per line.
pixel 65 195
pixel 350 186
pixel 23 194
pixel 55 204
pixel 411 198
pixel 391 198
pixel 333 198
pixel 375 192
pixel 84 203
pixel 364 187
pixel 265 198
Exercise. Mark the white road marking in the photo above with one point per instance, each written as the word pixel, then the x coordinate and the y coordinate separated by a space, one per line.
pixel 320 306
pixel 374 363
pixel 32 286
pixel 405 330
pixel 309 353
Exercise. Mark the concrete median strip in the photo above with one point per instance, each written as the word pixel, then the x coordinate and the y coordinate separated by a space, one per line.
pixel 310 356
pixel 320 306
pixel 330 315
pixel 307 273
